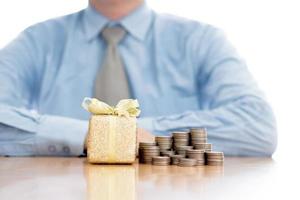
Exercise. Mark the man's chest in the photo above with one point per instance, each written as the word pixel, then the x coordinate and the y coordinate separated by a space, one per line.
pixel 162 79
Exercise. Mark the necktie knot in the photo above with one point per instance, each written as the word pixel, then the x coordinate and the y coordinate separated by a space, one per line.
pixel 113 35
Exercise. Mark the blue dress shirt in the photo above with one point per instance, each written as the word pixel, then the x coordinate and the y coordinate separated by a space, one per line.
pixel 184 74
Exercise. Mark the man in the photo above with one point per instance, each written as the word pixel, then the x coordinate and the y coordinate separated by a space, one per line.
pixel 184 74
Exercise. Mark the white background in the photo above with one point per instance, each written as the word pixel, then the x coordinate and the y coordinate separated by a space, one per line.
pixel 266 33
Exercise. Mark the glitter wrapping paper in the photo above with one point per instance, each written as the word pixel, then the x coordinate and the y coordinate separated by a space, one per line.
pixel 112 139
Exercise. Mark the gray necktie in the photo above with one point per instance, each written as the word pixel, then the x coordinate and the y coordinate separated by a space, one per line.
pixel 111 83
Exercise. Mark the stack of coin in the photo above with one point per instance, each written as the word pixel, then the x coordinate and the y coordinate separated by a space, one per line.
pixel 198 135
pixel 187 162
pixel 196 154
pixel 161 160
pixel 168 153
pixel 181 138
pixel 164 142
pixel 203 146
pixel 146 144
pixel 181 150
pixel 176 158
pixel 214 158
pixel 141 145
pixel 147 152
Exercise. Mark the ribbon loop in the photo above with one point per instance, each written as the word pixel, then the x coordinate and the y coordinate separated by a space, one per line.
pixel 125 107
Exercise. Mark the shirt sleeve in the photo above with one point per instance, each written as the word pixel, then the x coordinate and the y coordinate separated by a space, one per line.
pixel 23 131
pixel 239 121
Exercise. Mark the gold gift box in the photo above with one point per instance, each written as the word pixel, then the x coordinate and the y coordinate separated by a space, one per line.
pixel 112 136
pixel 112 139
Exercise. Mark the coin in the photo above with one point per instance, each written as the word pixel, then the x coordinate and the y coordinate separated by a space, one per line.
pixel 150 147
pixel 198 135
pixel 200 162
pixel 142 144
pixel 180 134
pixel 214 158
pixel 195 151
pixel 203 146
pixel 163 138
pixel 161 160
pixel 181 138
pixel 167 153
pixel 187 162
pixel 214 154
pixel 201 130
pixel 181 150
pixel 195 154
pixel 215 163
pixel 164 142
pixel 147 151
pixel 175 159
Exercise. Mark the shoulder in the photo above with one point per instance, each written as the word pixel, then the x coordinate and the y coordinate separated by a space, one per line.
pixel 180 26
pixel 55 28
pixel 187 31
pixel 186 34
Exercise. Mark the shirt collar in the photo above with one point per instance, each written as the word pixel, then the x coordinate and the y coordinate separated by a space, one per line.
pixel 136 23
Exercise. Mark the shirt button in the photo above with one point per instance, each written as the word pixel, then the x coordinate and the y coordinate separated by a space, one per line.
pixel 66 149
pixel 51 148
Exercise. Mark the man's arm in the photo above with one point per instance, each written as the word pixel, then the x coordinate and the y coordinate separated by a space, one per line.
pixel 238 119
pixel 24 132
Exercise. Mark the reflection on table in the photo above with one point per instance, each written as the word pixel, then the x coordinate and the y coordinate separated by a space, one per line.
pixel 110 182
pixel 74 178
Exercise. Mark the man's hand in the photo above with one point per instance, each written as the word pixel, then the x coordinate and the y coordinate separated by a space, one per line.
pixel 144 136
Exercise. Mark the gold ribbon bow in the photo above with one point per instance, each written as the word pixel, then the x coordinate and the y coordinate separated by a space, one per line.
pixel 125 107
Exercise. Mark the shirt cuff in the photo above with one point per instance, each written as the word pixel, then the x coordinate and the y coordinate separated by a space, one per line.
pixel 61 136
